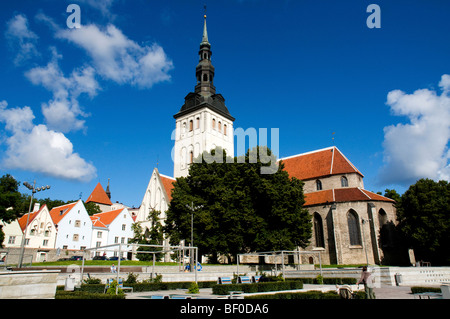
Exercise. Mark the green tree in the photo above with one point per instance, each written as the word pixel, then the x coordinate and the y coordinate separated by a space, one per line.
pixel 10 201
pixel 92 208
pixel 243 210
pixel 424 220
pixel 152 236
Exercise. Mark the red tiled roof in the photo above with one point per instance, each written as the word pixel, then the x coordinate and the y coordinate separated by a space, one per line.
pixel 106 218
pixel 324 162
pixel 59 212
pixel 168 185
pixel 23 220
pixel 99 196
pixel 338 195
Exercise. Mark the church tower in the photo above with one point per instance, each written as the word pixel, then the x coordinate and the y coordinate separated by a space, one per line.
pixel 203 122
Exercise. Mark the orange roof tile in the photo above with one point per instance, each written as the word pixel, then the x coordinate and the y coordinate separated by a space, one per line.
pixel 59 212
pixel 107 218
pixel 168 185
pixel 340 195
pixel 23 220
pixel 99 196
pixel 318 163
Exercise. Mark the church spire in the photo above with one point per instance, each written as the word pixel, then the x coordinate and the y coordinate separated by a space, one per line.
pixel 205 34
pixel 205 70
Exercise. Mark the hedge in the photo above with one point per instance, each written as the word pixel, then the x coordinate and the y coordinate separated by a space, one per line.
pixel 418 290
pixel 85 295
pixel 329 281
pixel 298 295
pixel 259 287
pixel 153 286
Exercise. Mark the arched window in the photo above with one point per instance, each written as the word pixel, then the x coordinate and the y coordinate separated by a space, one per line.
pixel 353 228
pixel 344 181
pixel 191 157
pixel 319 185
pixel 205 77
pixel 386 229
pixel 214 124
pixel 225 129
pixel 198 122
pixel 220 126
pixel 191 125
pixel 318 231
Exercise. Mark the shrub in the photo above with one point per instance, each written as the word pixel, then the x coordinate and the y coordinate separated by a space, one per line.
pixel 259 287
pixel 85 295
pixel 193 288
pixel 298 295
pixel 417 290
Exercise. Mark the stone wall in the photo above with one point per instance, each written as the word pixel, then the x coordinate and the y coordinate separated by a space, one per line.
pixel 34 284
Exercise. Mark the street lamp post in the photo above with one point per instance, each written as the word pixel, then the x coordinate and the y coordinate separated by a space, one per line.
pixel 193 209
pixel 33 191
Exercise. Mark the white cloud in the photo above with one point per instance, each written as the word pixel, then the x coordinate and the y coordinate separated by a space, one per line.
pixel 419 148
pixel 117 58
pixel 21 38
pixel 63 112
pixel 103 6
pixel 38 149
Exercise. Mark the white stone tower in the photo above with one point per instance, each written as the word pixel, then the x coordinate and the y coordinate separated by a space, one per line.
pixel 203 122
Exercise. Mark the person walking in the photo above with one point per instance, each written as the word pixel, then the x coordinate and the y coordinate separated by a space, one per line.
pixel 367 280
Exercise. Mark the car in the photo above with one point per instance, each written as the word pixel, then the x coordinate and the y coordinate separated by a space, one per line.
pixel 117 258
pixel 76 258
pixel 100 258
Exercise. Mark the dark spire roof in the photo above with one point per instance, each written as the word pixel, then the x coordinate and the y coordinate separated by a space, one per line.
pixel 205 91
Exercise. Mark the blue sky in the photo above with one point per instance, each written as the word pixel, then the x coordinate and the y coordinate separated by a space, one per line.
pixel 79 106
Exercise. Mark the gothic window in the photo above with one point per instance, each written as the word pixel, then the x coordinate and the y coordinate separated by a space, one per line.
pixel 353 228
pixel 319 185
pixel 318 231
pixel 214 124
pixel 344 181
pixel 225 129
pixel 191 125
pixel 191 157
pixel 198 122
pixel 220 126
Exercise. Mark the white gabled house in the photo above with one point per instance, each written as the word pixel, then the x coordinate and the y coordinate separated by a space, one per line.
pixel 74 226
pixel 112 227
pixel 40 232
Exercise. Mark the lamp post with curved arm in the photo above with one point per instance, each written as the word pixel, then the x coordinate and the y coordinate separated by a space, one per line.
pixel 33 191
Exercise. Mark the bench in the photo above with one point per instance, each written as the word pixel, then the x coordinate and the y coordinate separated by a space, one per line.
pixel 224 280
pixel 122 287
pixel 109 282
pixel 244 280
pixel 428 295
pixel 255 279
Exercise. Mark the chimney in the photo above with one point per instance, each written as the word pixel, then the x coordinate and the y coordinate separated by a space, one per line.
pixel 37 206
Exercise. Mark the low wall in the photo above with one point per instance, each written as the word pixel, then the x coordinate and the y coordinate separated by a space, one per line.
pixel 419 276
pixel 33 284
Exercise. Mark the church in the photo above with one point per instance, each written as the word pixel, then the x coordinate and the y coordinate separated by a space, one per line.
pixel 348 221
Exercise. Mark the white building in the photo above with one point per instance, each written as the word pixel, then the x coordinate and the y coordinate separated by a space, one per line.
pixel 112 227
pixel 40 232
pixel 13 234
pixel 74 226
